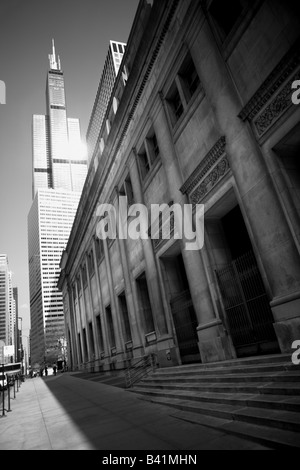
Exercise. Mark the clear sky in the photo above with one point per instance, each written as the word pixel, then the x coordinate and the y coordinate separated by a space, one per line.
pixel 82 30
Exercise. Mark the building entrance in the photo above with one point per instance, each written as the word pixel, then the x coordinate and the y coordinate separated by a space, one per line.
pixel 182 309
pixel 246 304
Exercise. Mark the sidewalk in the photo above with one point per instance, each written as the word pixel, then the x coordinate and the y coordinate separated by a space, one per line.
pixel 67 413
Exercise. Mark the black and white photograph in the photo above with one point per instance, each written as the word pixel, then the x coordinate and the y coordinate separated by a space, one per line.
pixel 149 228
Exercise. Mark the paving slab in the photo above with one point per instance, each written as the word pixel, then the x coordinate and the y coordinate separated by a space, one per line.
pixel 64 412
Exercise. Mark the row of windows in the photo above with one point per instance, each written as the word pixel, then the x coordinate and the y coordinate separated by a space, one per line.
pixel 146 315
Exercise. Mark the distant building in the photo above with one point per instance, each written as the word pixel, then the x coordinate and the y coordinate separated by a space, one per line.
pixel 7 306
pixel 59 173
pixel 206 118
pixel 110 71
pixel 58 159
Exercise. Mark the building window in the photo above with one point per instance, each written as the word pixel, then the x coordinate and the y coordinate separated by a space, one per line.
pixel 99 249
pixel 126 190
pixel 145 305
pixel 125 318
pixel 111 332
pixel 144 164
pixel 189 78
pixel 84 276
pixel 99 333
pixel 91 265
pixel 225 15
pixel 184 87
pixel 175 104
pixel 148 154
pixel 79 285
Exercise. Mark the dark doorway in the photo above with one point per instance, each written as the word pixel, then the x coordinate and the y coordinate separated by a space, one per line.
pixel 183 313
pixel 245 300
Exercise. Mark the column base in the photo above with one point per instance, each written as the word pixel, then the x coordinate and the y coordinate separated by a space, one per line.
pixel 215 344
pixel 286 312
pixel 166 352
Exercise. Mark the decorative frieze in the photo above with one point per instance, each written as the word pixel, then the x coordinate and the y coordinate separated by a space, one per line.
pixel 208 173
pixel 210 181
pixel 274 97
pixel 205 166
pixel 275 109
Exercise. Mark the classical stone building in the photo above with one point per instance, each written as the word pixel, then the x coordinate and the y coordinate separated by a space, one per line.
pixel 205 117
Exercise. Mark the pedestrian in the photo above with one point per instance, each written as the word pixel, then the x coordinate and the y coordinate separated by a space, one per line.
pixel 46 370
pixel 41 371
pixel 54 369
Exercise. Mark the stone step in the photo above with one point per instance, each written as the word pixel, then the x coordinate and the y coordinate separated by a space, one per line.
pixel 285 376
pixel 283 388
pixel 270 418
pixel 262 368
pixel 247 361
pixel 273 438
pixel 276 402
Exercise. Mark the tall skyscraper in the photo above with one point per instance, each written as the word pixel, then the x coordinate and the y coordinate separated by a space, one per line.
pixel 58 153
pixel 7 310
pixel 59 173
pixel 110 71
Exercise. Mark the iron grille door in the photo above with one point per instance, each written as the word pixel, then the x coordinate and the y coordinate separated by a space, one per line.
pixel 246 303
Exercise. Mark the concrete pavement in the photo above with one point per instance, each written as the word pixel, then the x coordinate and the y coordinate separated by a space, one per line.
pixel 64 412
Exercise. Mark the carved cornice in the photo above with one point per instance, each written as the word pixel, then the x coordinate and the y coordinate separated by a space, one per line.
pixel 273 97
pixel 205 166
pixel 281 103
pixel 210 181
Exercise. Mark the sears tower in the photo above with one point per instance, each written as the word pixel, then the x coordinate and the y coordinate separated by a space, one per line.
pixel 57 146
pixel 59 172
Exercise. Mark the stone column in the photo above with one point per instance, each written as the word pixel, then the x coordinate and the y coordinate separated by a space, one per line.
pixel 135 324
pixel 72 320
pixel 114 310
pixel 101 306
pixel 80 324
pixel 271 236
pixel 211 332
pixel 96 350
pixel 86 319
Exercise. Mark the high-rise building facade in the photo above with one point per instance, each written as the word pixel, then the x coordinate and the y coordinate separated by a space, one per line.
pixel 49 224
pixel 110 71
pixel 59 173
pixel 58 153
pixel 4 299
pixel 7 306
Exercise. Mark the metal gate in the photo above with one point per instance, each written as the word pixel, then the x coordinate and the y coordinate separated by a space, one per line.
pixel 185 323
pixel 248 313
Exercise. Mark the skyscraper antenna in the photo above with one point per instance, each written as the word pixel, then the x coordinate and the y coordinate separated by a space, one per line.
pixel 54 64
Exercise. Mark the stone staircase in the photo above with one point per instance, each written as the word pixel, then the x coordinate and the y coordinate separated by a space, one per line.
pixel 255 398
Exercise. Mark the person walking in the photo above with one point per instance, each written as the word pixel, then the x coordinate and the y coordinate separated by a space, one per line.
pixel 54 369
pixel 46 370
